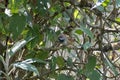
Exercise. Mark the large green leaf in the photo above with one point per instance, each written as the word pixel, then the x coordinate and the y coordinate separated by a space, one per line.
pixel 91 64
pixel 76 14
pixel 26 66
pixel 17 25
pixel 89 70
pixel 91 75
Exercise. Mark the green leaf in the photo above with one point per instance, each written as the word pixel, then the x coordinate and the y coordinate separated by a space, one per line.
pixel 94 75
pixel 34 31
pixel 76 14
pixel 43 54
pixel 91 64
pixel 26 66
pixel 64 77
pixel 105 3
pixel 15 5
pixel 117 19
pixel 89 69
pixel 60 61
pixel 87 31
pixel 86 45
pixel 78 31
pixel 17 25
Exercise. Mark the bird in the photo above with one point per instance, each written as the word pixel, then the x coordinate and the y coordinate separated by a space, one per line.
pixel 66 40
pixel 62 38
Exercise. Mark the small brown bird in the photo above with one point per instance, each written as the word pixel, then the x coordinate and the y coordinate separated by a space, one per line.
pixel 66 40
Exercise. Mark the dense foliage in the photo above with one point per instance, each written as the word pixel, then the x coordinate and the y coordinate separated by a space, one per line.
pixel 59 39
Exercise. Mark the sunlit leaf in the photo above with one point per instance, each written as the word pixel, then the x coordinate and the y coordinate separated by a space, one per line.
pixel 15 5
pixel 26 66
pixel 78 31
pixel 87 79
pixel 117 19
pixel 76 14
pixel 105 3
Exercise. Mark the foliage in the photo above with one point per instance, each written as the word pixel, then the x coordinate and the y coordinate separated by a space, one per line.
pixel 30 47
